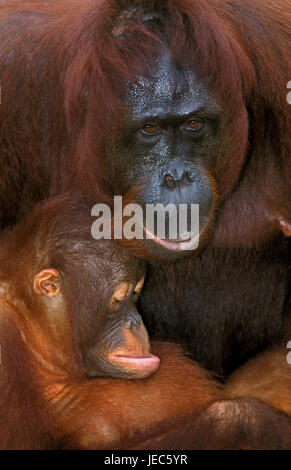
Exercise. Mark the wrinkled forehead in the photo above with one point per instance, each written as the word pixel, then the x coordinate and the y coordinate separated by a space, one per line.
pixel 125 266
pixel 116 263
pixel 145 13
pixel 166 88
pixel 98 260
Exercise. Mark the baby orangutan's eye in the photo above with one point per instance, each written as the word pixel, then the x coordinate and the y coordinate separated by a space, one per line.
pixel 121 293
pixel 124 291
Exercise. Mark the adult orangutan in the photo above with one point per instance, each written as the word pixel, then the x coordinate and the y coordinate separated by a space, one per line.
pixel 180 101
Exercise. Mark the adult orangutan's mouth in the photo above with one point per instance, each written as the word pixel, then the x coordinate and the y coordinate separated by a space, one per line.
pixel 190 243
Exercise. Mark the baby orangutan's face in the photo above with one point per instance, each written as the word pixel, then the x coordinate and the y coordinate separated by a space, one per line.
pixel 127 345
pixel 108 331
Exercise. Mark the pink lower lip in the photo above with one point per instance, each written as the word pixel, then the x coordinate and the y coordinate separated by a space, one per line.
pixel 151 359
pixel 140 365
pixel 178 245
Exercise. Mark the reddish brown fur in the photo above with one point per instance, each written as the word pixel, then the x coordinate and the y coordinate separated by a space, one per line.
pixel 63 100
pixel 241 424
pixel 43 409
pixel 130 407
pixel 25 421
pixel 251 416
pixel 262 378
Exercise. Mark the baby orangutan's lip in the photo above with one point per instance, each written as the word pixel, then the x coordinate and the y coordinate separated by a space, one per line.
pixel 137 367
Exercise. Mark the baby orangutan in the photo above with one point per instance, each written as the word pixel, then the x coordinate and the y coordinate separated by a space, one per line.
pixel 71 337
pixel 111 340
pixel 68 322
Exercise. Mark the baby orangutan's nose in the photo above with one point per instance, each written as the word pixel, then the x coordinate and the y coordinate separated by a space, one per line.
pixel 133 321
pixel 136 337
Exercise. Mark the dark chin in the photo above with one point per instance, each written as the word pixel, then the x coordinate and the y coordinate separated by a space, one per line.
pixel 160 253
pixel 103 368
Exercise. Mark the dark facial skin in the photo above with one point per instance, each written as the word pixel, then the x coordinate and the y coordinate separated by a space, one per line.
pixel 118 345
pixel 171 145
pixel 100 303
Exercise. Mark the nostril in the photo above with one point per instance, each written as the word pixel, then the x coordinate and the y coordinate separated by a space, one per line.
pixel 128 324
pixel 169 181
pixel 173 179
pixel 188 176
pixel 133 322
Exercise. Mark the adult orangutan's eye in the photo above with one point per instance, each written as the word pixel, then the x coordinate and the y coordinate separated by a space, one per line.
pixel 195 124
pixel 150 129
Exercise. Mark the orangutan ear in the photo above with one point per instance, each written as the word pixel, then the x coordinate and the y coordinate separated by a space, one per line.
pixel 47 283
